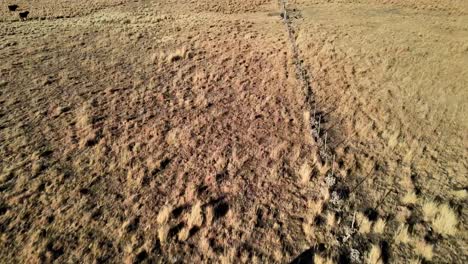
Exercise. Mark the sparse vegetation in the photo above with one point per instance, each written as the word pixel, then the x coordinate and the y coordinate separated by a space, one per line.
pixel 410 198
pixel 445 221
pixel 423 249
pixel 331 221
pixel 363 223
pixel 460 194
pixel 415 261
pixel 374 256
pixel 305 173
pixel 196 216
pixel 163 233
pixel 320 260
pixel 164 213
pixel 225 131
pixel 430 209
pixel 402 235
pixel 379 226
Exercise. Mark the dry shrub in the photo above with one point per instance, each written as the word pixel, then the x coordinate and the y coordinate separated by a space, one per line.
pixel 305 173
pixel 443 218
pixel 163 233
pixel 308 229
pixel 415 261
pixel 83 117
pixel 410 198
pixel 402 235
pixel 163 215
pixel 423 249
pixel 445 221
pixel 315 207
pixel 228 257
pixel 196 216
pixel 209 215
pixel 172 137
pixel 364 223
pixel 460 194
pixel 320 260
pixel 374 256
pixel 331 221
pixel 379 226
pixel 429 209
pixel 184 234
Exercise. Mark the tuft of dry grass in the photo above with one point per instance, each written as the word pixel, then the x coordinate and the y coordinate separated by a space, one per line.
pixel 163 232
pixel 460 194
pixel 364 223
pixel 429 209
pixel 410 198
pixel 305 173
pixel 184 234
pixel 163 215
pixel 83 117
pixel 308 229
pixel 315 207
pixel 445 221
pixel 331 221
pixel 196 216
pixel 423 249
pixel 379 226
pixel 321 260
pixel 229 256
pixel 177 55
pixel 209 215
pixel 415 261
pixel 374 256
pixel 172 137
pixel 171 56
pixel 402 235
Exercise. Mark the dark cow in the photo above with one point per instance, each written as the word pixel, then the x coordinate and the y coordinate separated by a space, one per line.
pixel 24 15
pixel 12 7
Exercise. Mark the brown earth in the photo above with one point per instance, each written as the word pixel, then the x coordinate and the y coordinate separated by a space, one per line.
pixel 167 131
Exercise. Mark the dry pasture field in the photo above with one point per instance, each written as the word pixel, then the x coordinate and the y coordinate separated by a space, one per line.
pixel 223 131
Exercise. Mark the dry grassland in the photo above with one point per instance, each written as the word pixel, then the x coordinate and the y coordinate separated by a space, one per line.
pixel 177 131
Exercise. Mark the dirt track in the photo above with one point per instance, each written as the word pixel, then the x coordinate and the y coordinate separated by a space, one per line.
pixel 166 131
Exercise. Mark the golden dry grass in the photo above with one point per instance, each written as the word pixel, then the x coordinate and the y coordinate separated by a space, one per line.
pixel 379 226
pixel 305 172
pixel 430 209
pixel 423 249
pixel 364 223
pixel 162 131
pixel 460 194
pixel 445 222
pixel 321 260
pixel 374 256
pixel 331 221
pixel 164 214
pixel 400 125
pixel 196 216
pixel 402 235
pixel 443 219
pixel 163 232
pixel 410 198
pixel 415 261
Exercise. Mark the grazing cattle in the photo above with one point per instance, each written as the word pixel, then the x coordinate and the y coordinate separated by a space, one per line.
pixel 12 7
pixel 24 15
